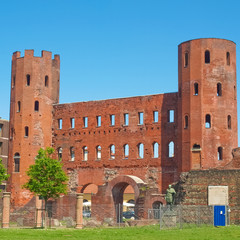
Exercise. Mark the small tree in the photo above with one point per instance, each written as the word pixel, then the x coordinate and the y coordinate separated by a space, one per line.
pixel 3 173
pixel 46 176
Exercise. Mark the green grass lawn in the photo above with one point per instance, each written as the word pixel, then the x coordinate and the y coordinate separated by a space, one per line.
pixel 138 233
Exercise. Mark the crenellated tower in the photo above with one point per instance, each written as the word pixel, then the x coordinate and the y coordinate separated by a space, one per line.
pixel 34 90
pixel 207 103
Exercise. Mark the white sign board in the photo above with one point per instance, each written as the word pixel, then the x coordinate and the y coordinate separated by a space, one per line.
pixel 217 195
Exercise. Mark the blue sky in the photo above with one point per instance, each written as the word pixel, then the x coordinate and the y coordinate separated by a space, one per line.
pixel 111 48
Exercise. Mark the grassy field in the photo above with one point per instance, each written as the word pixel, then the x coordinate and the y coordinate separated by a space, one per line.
pixel 135 233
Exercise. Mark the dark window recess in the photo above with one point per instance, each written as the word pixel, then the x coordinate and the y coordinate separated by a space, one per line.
pixel 228 58
pixel 208 121
pixel 229 121
pixel 195 89
pixel 186 60
pixel 219 89
pixel 26 131
pixel 16 162
pixel 36 106
pixel 220 153
pixel 46 81
pixel 186 122
pixel 207 56
pixel 28 79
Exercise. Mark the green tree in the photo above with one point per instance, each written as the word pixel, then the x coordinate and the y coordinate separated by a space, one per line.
pixel 3 173
pixel 46 176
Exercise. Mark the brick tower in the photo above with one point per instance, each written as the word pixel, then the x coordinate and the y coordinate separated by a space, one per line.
pixel 34 90
pixel 207 103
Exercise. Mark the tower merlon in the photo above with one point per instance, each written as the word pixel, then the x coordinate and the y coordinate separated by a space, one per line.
pixel 16 54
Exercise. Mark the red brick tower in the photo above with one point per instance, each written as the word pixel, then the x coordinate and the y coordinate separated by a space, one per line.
pixel 207 103
pixel 34 90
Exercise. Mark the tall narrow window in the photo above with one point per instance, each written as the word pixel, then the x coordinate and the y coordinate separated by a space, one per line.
pixel 72 153
pixel 140 150
pixel 59 154
pixel 85 122
pixel 155 116
pixel 13 81
pixel 155 150
pixel 28 80
pixel 228 58
pixel 72 121
pixel 98 121
pixel 26 131
pixel 219 89
pixel 207 56
pixel 112 152
pixel 126 150
pixel 1 130
pixel 171 149
pixel 99 152
pixel 220 153
pixel 36 106
pixel 140 118
pixel 208 121
pixel 0 148
pixel 186 59
pixel 234 93
pixel 170 116
pixel 126 119
pixel 46 81
pixel 85 153
pixel 229 121
pixel 18 106
pixel 16 162
pixel 196 89
pixel 112 120
pixel 186 122
pixel 60 123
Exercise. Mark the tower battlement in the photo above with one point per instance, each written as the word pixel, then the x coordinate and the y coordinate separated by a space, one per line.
pixel 29 53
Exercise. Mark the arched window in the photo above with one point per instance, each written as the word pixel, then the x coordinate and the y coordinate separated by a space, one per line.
pixel 36 106
pixel 219 89
pixel 228 58
pixel 28 79
pixel 195 89
pixel 85 153
pixel 72 153
pixel 207 56
pixel 140 150
pixel 186 122
pixel 208 121
pixel 171 149
pixel 112 152
pixel 19 106
pixel 99 154
pixel 186 59
pixel 196 147
pixel 26 131
pixel 16 162
pixel 59 153
pixel 220 153
pixel 229 121
pixel 46 81
pixel 126 150
pixel 155 150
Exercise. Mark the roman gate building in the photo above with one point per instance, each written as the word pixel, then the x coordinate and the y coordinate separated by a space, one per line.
pixel 145 141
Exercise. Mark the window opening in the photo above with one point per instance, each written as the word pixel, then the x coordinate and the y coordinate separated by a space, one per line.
pixel 229 122
pixel 85 122
pixel 1 130
pixel 186 60
pixel 126 151
pixel 208 121
pixel 112 152
pixel 228 58
pixel 99 152
pixel 72 122
pixel 18 106
pixel 155 116
pixel 36 106
pixel 235 95
pixel 186 122
pixel 13 82
pixel 207 56
pixel 72 153
pixel 196 147
pixel 155 150
pixel 59 154
pixel 46 81
pixel 140 150
pixel 140 118
pixel 28 80
pixel 220 153
pixel 219 89
pixel 196 89
pixel 0 148
pixel 60 123
pixel 26 131
pixel 112 120
pixel 85 153
pixel 171 149
pixel 99 121
pixel 171 116
pixel 126 119
pixel 16 162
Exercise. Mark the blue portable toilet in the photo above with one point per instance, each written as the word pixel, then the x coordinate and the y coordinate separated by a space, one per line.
pixel 219 215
